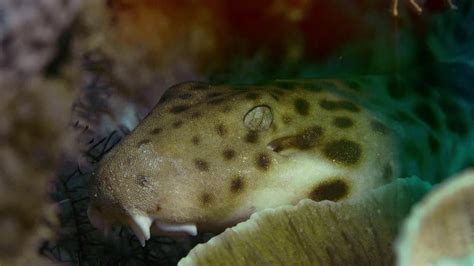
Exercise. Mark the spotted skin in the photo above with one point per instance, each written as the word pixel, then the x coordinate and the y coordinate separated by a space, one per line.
pixel 218 167
pixel 211 155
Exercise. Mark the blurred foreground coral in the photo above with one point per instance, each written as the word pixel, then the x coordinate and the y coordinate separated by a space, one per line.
pixel 440 229
pixel 33 125
pixel 33 130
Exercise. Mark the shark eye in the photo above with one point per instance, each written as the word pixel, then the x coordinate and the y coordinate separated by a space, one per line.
pixel 259 118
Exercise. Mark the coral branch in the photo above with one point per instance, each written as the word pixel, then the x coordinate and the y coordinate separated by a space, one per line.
pixel 418 9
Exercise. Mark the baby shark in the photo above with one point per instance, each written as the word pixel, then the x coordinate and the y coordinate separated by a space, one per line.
pixel 208 156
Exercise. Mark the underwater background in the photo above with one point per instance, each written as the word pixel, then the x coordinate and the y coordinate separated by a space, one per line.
pixel 77 77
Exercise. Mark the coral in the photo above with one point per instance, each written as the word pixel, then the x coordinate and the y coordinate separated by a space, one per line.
pixel 147 49
pixel 415 6
pixel 440 228
pixel 139 47
pixel 353 232
pixel 33 127
pixel 32 130
pixel 29 34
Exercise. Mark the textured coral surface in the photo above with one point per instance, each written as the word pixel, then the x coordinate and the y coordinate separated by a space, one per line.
pixel 33 128
pixel 356 232
pixel 32 131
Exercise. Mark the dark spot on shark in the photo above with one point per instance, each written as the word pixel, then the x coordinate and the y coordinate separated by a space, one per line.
pixel 196 115
pixel 216 101
pixel 206 199
pixel 252 137
pixel 221 130
pixel 343 151
pixel 339 105
pixel 228 154
pixel 308 138
pixel 263 161
pixel 185 96
pixel 201 165
pixel 342 122
pixel 177 124
pixel 196 140
pixel 237 184
pixel 333 190
pixel 156 131
pixel 302 106
pixel 179 109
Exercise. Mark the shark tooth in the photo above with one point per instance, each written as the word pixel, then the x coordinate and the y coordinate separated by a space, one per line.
pixel 141 227
pixel 189 229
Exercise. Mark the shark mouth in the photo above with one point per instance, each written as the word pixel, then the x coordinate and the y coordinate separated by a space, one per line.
pixel 141 225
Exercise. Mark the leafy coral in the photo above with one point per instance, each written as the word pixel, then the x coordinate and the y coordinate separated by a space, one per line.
pixel 359 231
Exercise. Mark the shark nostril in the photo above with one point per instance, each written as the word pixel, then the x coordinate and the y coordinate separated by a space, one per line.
pixel 142 181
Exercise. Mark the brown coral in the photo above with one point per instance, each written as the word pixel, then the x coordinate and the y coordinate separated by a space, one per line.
pixel 32 132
